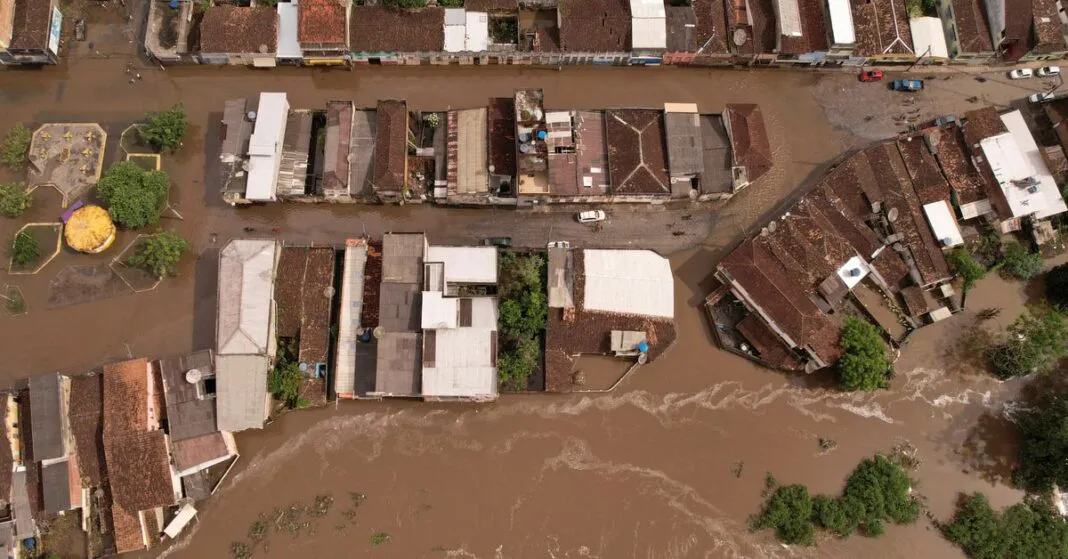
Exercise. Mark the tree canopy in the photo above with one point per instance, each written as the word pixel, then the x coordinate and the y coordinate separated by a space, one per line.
pixel 14 199
pixel 1057 286
pixel 962 263
pixel 789 511
pixel 159 254
pixel 1029 529
pixel 24 249
pixel 166 129
pixel 521 317
pixel 16 147
pixel 864 365
pixel 1043 450
pixel 135 197
pixel 1034 342
pixel 1019 263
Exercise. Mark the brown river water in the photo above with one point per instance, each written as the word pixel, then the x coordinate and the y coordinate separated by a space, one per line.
pixel 669 465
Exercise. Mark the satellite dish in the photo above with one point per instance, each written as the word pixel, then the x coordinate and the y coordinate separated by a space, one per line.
pixel 891 215
pixel 773 226
pixel 328 292
pixel 263 49
pixel 379 332
pixel 193 376
pixel 740 37
pixel 251 115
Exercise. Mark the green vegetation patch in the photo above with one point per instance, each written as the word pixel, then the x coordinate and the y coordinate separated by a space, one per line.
pixel 1029 529
pixel 522 315
pixel 865 364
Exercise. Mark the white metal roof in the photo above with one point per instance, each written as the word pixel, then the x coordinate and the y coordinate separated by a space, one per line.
pixel 246 297
pixel 789 17
pixel 854 271
pixel 943 224
pixel 463 364
pixel 842 22
pixel 687 108
pixel 466 264
pixel 477 39
pixel 265 146
pixel 241 391
pixel 648 33
pixel 455 16
pixel 630 282
pixel 647 9
pixel 455 32
pixel 1049 200
pixel 288 23
pixel 927 33
pixel 185 515
pixel 348 329
pixel 438 311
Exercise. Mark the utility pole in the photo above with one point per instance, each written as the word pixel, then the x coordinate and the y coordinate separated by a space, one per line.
pixel 918 59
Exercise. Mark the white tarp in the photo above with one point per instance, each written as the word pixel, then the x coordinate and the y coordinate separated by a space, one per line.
pixel 637 282
pixel 943 224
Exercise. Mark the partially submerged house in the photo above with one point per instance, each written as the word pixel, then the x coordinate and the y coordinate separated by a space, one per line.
pixel 802 31
pixel 385 35
pixel 350 326
pixel 967 31
pixel 594 31
pixel 32 32
pixel 750 150
pixel 304 292
pixel 240 36
pixel 323 31
pixel 391 152
pixel 52 445
pixel 882 31
pixel 637 158
pixel 245 333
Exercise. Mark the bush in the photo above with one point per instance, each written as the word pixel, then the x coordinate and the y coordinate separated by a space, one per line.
pixel 1019 263
pixel 1035 341
pixel 408 3
pixel 16 147
pixel 135 197
pixel 521 316
pixel 962 264
pixel 159 254
pixel 166 129
pixel 829 513
pixel 879 490
pixel 864 365
pixel 284 383
pixel 14 199
pixel 789 512
pixel 1029 529
pixel 24 249
pixel 1057 286
pixel 1043 450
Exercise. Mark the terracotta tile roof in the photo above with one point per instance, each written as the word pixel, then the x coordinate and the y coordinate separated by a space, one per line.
pixel 139 471
pixel 6 460
pixel 881 27
pixel 711 32
pixel 491 5
pixel 322 22
pixel 923 168
pixel 892 268
pixel 981 124
pixel 87 426
pixel 237 30
pixel 382 29
pixel 682 29
pixel 391 146
pixel 125 397
pixel 501 115
pixel 637 159
pixel 30 26
pixel 1016 38
pixel 764 31
pixel 770 346
pixel 973 32
pixel 813 30
pixel 336 171
pixel 953 157
pixel 915 303
pixel 315 305
pixel 190 453
pixel 287 290
pixel 594 25
pixel 570 332
pixel 749 139
pixel 127 530
pixel 1048 36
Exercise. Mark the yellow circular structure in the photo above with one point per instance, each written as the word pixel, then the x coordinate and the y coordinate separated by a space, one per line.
pixel 89 229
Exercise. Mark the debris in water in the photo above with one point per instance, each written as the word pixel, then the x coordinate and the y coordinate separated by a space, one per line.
pixel 827 445
pixel 737 469
pixel 357 498
pixel 240 550
pixel 989 313
pixel 379 538
pixel 905 455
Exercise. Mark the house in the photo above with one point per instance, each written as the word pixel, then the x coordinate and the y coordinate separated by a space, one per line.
pixel 292 179
pixel 361 157
pixel 802 28
pixel 236 134
pixel 391 152
pixel 648 31
pixel 637 162
pixel 189 391
pixel 303 297
pixel 1026 30
pixel 967 31
pixel 697 33
pixel 842 33
pixel 753 30
pixel 385 35
pixel 685 148
pixel 170 32
pixel 350 314
pixel 594 31
pixel 598 298
pixel 466 33
pixel 467 157
pixel 970 189
pixel 239 36
pixel 577 155
pixel 245 333
pixel 750 150
pixel 399 366
pixel 323 31
pixel 51 443
pixel 86 413
pixel 336 149
pixel 288 40
pixel 35 29
pixel 137 455
pixel 265 147
pixel 929 40
pixel 1047 41
pixel 882 32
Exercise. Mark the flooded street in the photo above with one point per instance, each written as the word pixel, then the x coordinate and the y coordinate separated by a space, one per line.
pixel 669 465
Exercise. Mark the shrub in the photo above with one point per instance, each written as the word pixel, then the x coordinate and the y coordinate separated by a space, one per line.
pixel 24 250
pixel 1043 450
pixel 135 197
pixel 1035 341
pixel 284 383
pixel 166 129
pixel 521 316
pixel 159 254
pixel 14 199
pixel 16 147
pixel 879 490
pixel 864 365
pixel 1057 286
pixel 1019 263
pixel 1029 529
pixel 789 511
pixel 829 513
pixel 962 263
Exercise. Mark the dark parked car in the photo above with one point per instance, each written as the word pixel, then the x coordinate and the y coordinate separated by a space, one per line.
pixel 504 242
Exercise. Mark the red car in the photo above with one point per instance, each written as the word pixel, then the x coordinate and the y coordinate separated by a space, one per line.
pixel 871 76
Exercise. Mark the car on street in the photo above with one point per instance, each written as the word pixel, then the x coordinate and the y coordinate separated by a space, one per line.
pixel 1041 97
pixel 906 85
pixel 871 76
pixel 503 242
pixel 1021 74
pixel 591 216
pixel 1049 71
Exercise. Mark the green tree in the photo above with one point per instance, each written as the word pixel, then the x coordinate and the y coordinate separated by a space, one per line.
pixel 284 383
pixel 16 147
pixel 160 254
pixel 1043 450
pixel 14 199
pixel 1019 263
pixel 831 515
pixel 517 362
pixel 406 3
pixel 878 489
pixel 166 129
pixel 864 365
pixel 24 249
pixel 1029 529
pixel 962 263
pixel 789 512
pixel 135 197
pixel 1057 286
pixel 1034 342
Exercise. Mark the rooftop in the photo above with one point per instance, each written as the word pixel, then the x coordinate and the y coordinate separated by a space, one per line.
pixel 190 406
pixel 462 362
pixel 30 28
pixel 637 162
pixel 168 31
pixel 881 28
pixel 323 22
pixel 362 152
pixel 928 36
pixel 196 452
pixel 501 128
pixel 233 29
pixel 383 29
pixel 468 158
pixel 126 406
pixel 265 146
pixel 955 162
pixel 67 156
pixel 55 486
pixel 246 306
pixel 581 167
pixel 812 26
pixel 399 365
pixel 710 34
pixel 139 474
pixel 637 282
pixel 1016 39
pixel 337 147
pixel 288 30
pixel 1048 35
pixel 973 33
pixel 391 147
pixel 316 304
pixel 466 30
pixel 594 25
pixel 49 437
pixel 87 426
pixel 749 139
pixel 6 461
pixel 684 143
pixel 841 15
pixel 926 175
pixel 1021 171
pixel 241 391
pixel 648 24
pixel 465 264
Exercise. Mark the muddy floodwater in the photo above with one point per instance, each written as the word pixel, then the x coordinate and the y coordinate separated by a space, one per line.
pixel 669 465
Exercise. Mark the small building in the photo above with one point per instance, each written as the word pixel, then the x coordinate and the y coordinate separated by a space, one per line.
pixel 167 33
pixel 361 158
pixel 289 51
pixel 350 311
pixel 882 32
pixel 697 34
pixel 1026 30
pixel 385 35
pixel 969 187
pixel 637 162
pixel 967 31
pixel 648 29
pixel 1021 172
pixel 86 418
pixel 802 31
pixel 239 36
pixel 399 365
pixel 594 31
pixel 1046 41
pixel 303 294
pixel 245 329
pixel 337 148
pixel 685 148
pixel 323 31
pixel 391 152
pixel 577 155
pixel 943 224
pixel 843 36
pixel 753 31
pixel 49 396
pixel 35 29
pixel 236 134
pixel 750 150
pixel 929 40
pixel 265 147
pixel 467 157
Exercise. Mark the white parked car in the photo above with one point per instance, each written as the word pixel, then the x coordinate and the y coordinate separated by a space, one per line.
pixel 591 216
pixel 1021 73
pixel 1049 71
pixel 1041 97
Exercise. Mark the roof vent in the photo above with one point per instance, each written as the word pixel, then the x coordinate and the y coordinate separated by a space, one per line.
pixel 193 376
pixel 891 215
pixel 251 115
pixel 854 272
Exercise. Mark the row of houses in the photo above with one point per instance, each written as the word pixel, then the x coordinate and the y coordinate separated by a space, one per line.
pixel 416 320
pixel 869 239
pixel 129 449
pixel 512 152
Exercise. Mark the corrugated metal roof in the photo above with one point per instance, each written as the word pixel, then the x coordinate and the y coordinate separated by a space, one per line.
pixel 398 364
pixel 265 146
pixel 472 156
pixel 190 411
pixel 46 418
pixel 637 282
pixel 241 398
pixel 466 264
pixel 789 16
pixel 464 364
pixel 928 36
pixel 20 505
pixel 349 327
pixel 402 257
pixel 841 14
pixel 684 144
pixel 246 303
pixel 561 279
pixel 943 224
pixel 55 486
